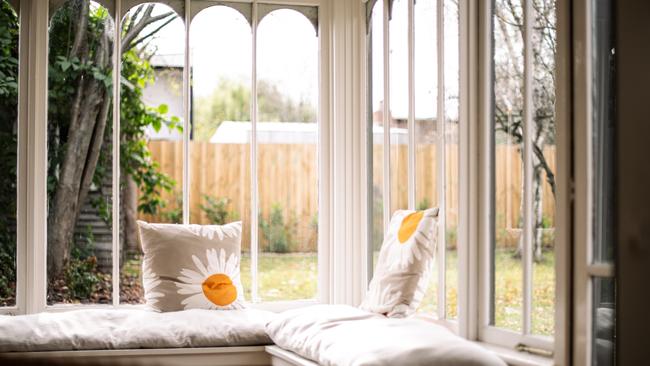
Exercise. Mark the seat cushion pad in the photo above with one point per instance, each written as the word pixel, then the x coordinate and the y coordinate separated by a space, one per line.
pixel 345 336
pixel 94 329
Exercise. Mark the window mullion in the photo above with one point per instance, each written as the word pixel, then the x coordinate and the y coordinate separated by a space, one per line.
pixel 411 108
pixel 253 141
pixel 440 120
pixel 386 117
pixel 116 152
pixel 33 112
pixel 187 104
pixel 528 166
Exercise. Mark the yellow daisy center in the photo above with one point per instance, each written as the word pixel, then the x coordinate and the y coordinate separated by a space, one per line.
pixel 409 225
pixel 219 289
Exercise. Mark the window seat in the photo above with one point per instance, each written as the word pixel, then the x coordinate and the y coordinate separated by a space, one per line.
pixel 319 334
pixel 121 329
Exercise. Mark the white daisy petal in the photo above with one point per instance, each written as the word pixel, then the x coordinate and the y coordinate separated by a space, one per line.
pixel 199 265
pixel 188 289
pixel 193 276
pixel 213 261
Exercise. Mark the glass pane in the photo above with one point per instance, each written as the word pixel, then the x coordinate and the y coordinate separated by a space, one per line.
pixel 80 128
pixel 603 133
pixel 221 123
pixel 507 286
pixel 603 321
pixel 287 158
pixel 544 157
pixel 376 103
pixel 151 137
pixel 399 106
pixel 451 100
pixel 8 151
pixel 603 130
pixel 427 130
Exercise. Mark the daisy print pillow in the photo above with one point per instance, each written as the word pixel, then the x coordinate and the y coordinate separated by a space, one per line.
pixel 191 266
pixel 404 264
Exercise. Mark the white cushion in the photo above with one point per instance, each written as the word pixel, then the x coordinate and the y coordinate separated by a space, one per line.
pixel 128 329
pixel 344 336
pixel 404 263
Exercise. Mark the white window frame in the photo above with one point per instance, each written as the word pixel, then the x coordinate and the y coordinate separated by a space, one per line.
pixel 557 345
pixel 31 261
pixel 586 269
pixel 441 310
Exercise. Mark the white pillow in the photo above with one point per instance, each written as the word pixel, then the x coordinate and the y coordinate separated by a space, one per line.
pixel 341 335
pixel 191 266
pixel 404 264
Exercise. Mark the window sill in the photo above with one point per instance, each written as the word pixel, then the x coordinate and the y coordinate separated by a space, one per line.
pixel 273 306
pixel 516 358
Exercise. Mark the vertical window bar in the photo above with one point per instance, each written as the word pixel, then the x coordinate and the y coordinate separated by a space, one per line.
pixel 254 202
pixel 187 104
pixel 411 110
pixel 440 119
pixel 528 165
pixel 116 152
pixel 386 116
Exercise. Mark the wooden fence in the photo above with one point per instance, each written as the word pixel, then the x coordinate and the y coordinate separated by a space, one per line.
pixel 287 175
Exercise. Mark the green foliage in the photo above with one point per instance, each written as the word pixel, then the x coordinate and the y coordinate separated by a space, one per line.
pixel 424 204
pixel 63 75
pixel 87 249
pixel 81 272
pixel 216 209
pixel 231 100
pixel 451 237
pixel 175 214
pixel 135 117
pixel 275 232
pixel 8 149
pixel 81 277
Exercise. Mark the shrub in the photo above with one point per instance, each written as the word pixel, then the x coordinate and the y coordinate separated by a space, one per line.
pixel 216 209
pixel 80 274
pixel 274 231
pixel 175 215
pixel 81 277
pixel 424 204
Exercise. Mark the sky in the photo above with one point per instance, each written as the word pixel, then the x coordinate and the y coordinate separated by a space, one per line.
pixel 288 50
pixel 221 47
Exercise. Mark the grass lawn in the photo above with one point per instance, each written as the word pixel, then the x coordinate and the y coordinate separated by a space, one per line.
pixel 293 276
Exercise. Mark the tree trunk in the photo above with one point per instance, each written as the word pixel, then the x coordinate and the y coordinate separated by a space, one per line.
pixel 130 212
pixel 537 210
pixel 85 136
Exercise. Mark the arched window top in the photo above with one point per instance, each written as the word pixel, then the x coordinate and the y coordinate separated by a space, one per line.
pixel 245 9
pixel 370 5
pixel 309 12
pixel 109 5
pixel 177 6
pixel 145 19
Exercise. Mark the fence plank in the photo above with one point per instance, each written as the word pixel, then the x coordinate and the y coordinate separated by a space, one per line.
pixel 288 178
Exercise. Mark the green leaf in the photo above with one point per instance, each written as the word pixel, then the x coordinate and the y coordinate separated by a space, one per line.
pixel 163 109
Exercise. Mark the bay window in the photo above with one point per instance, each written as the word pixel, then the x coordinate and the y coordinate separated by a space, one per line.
pixel 201 112
pixel 183 112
